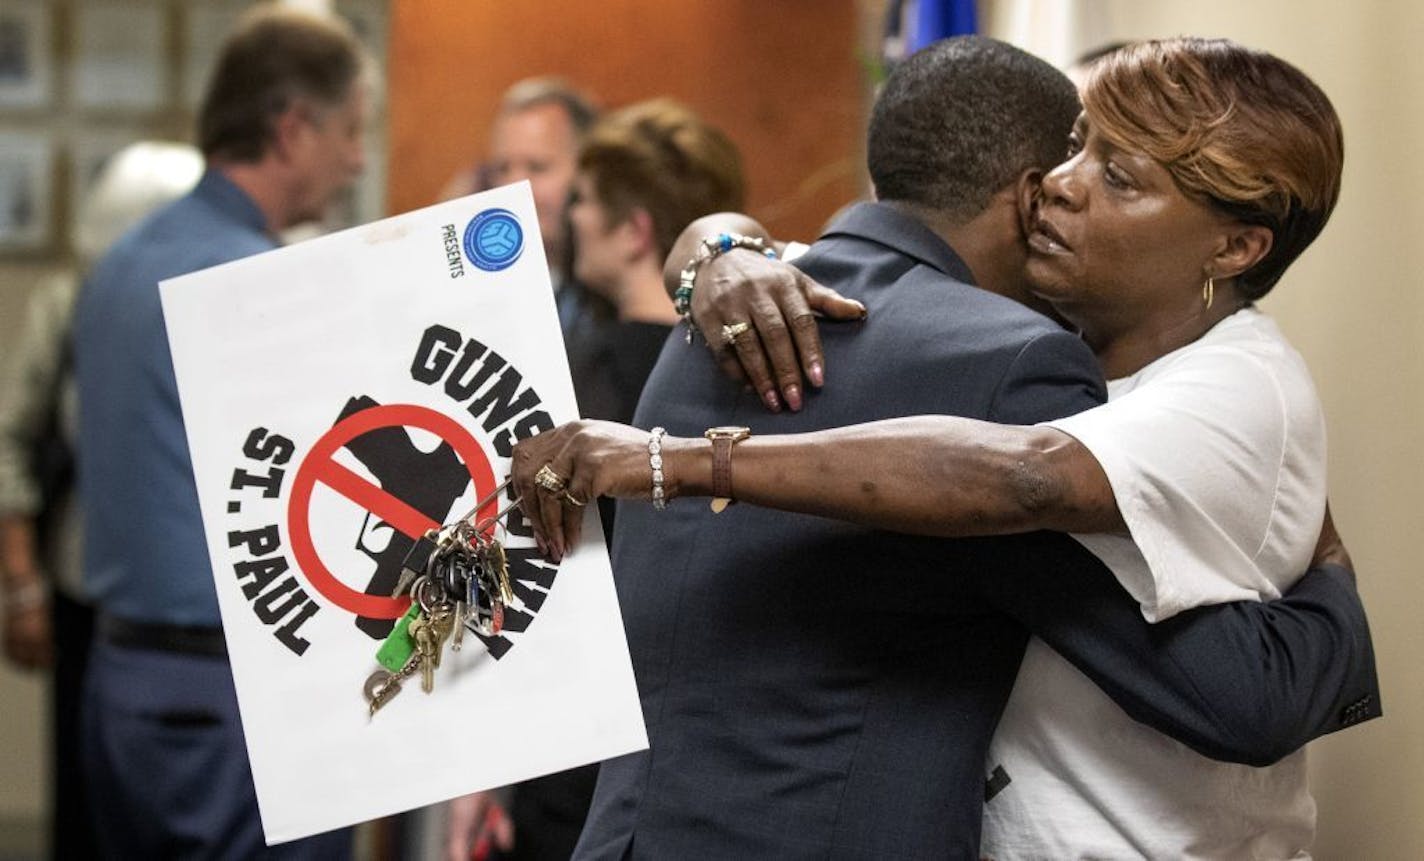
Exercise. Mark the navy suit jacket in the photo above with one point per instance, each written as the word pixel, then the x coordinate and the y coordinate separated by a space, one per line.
pixel 818 689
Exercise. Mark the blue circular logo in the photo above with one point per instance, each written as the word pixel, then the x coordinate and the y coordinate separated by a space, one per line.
pixel 494 240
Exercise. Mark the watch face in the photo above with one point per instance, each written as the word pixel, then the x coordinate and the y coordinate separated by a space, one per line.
pixel 733 431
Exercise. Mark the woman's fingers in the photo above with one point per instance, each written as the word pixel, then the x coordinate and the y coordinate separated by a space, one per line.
pixel 576 463
pixel 830 304
pixel 743 295
pixel 529 457
pixel 806 331
pixel 551 522
pixel 752 358
pixel 574 513
pixel 763 313
pixel 770 314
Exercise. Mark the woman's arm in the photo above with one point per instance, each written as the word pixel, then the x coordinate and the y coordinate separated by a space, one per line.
pixel 928 475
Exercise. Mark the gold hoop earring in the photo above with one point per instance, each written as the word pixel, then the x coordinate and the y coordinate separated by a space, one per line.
pixel 1209 292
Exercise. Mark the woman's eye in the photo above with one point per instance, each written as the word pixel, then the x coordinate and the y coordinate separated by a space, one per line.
pixel 1115 177
pixel 1075 145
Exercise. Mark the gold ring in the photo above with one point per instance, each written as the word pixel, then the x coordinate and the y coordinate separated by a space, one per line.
pixel 732 331
pixel 549 480
pixel 574 500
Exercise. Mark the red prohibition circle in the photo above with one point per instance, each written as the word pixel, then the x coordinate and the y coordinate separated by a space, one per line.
pixel 319 465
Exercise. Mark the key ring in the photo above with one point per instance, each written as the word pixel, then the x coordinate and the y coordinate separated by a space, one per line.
pixel 418 590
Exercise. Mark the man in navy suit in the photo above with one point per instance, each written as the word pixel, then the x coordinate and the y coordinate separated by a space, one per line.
pixel 818 689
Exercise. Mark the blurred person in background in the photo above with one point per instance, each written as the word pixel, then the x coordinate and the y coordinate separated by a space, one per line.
pixel 644 173
pixel 535 137
pixel 281 128
pixel 48 621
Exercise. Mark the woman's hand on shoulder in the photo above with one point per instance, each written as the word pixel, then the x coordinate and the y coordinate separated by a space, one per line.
pixel 758 315
pixel 780 344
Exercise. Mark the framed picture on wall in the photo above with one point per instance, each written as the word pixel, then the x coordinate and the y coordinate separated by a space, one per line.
pixel 26 178
pixel 25 60
pixel 119 55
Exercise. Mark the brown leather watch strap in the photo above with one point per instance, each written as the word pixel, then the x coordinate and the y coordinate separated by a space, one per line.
pixel 723 438
pixel 722 467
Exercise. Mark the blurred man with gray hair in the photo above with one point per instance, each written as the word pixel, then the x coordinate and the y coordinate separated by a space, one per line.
pixel 281 128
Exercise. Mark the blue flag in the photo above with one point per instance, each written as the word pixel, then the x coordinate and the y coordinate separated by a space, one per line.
pixel 932 20
pixel 912 24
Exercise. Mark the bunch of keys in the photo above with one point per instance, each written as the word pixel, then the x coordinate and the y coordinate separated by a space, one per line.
pixel 457 577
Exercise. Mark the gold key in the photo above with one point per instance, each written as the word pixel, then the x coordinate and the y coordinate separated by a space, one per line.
pixel 424 651
pixel 461 613
pixel 499 563
pixel 441 626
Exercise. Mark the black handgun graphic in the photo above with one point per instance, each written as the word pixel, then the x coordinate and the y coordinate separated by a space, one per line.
pixel 428 482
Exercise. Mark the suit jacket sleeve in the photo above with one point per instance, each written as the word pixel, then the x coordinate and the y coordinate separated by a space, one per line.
pixel 1246 682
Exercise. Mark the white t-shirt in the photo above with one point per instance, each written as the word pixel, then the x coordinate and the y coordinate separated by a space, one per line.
pixel 1216 456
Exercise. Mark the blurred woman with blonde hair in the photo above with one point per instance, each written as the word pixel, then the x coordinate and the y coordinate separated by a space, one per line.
pixel 644 173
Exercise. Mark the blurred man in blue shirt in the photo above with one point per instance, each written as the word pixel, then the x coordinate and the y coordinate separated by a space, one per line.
pixel 281 129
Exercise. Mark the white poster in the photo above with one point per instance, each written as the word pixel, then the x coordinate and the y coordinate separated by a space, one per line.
pixel 341 396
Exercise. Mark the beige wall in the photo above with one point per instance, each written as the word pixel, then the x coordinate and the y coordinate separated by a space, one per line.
pixel 1352 305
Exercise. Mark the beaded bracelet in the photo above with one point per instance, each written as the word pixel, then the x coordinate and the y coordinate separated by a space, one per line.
pixel 655 462
pixel 710 248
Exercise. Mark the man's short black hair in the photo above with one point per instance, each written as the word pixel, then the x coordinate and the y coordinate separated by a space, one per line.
pixel 959 120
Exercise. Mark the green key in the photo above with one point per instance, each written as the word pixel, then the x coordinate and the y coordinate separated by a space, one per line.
pixel 397 648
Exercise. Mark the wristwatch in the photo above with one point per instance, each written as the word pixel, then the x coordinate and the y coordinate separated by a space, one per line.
pixel 723 438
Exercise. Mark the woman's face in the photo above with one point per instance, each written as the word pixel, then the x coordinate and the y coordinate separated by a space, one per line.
pixel 1115 240
pixel 598 253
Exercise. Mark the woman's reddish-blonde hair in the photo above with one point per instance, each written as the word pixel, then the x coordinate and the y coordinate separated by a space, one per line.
pixel 660 156
pixel 1240 129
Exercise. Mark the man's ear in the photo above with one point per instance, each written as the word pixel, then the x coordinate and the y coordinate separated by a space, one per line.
pixel 643 232
pixel 287 129
pixel 1027 193
pixel 1244 246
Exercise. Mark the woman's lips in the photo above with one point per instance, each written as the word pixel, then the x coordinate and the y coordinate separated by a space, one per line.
pixel 1046 239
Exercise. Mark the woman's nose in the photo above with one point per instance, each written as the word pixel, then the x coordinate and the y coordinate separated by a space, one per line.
pixel 1062 185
